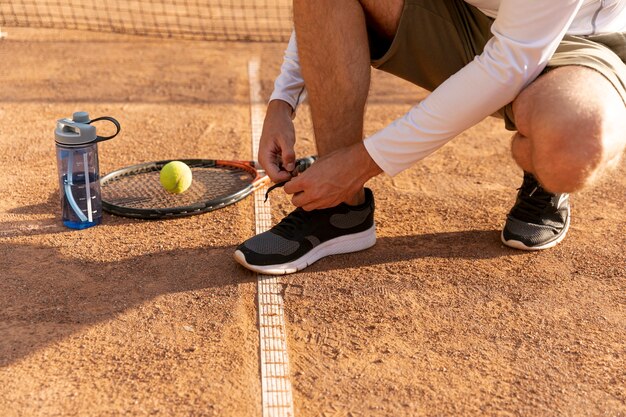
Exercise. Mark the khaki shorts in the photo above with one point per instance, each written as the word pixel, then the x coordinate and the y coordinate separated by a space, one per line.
pixel 436 38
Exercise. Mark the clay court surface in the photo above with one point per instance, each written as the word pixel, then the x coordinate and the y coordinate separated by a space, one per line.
pixel 155 318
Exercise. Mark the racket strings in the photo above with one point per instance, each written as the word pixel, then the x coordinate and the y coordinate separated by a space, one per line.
pixel 143 190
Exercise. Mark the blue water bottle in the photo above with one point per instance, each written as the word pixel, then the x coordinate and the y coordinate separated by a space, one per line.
pixel 79 174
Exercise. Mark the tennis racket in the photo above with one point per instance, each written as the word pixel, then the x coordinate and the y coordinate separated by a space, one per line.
pixel 136 191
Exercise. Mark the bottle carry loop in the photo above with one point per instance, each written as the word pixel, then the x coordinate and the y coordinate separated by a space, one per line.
pixel 110 119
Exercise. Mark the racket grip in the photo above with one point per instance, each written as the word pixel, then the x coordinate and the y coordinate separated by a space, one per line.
pixel 303 163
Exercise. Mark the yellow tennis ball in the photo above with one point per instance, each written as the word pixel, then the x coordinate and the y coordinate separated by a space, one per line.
pixel 175 177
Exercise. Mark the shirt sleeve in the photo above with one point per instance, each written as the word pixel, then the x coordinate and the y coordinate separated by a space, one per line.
pixel 526 34
pixel 289 85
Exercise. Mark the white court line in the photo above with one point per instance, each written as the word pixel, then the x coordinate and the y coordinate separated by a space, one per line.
pixel 277 396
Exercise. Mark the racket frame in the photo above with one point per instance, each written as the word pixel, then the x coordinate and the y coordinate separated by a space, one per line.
pixel 252 167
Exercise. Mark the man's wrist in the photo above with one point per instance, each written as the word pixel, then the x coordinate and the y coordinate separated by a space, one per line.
pixel 283 107
pixel 366 165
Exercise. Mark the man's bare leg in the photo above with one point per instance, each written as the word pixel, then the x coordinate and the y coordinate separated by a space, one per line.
pixel 572 126
pixel 335 61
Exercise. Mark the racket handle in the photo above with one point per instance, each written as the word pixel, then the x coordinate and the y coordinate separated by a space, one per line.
pixel 303 163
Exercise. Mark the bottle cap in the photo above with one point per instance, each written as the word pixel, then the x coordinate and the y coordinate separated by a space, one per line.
pixel 81 117
pixel 76 131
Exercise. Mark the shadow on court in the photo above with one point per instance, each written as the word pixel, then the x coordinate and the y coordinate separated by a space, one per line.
pixel 46 297
pixel 466 244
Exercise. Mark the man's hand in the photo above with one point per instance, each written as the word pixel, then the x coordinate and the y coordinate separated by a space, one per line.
pixel 276 147
pixel 333 179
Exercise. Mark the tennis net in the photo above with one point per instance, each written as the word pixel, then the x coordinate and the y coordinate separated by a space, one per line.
pixel 230 20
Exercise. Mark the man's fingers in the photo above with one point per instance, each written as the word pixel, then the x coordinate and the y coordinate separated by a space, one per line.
pixel 300 200
pixel 273 170
pixel 289 159
pixel 303 195
pixel 308 201
pixel 277 175
pixel 295 185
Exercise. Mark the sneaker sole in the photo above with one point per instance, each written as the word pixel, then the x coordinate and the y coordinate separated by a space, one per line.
pixel 516 244
pixel 342 244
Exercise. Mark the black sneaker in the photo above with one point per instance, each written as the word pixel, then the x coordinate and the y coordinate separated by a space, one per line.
pixel 538 220
pixel 304 237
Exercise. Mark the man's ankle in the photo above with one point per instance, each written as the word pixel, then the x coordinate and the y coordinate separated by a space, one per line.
pixel 357 199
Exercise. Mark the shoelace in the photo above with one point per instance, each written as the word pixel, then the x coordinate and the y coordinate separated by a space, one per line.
pixel 293 221
pixel 301 165
pixel 533 202
pixel 278 184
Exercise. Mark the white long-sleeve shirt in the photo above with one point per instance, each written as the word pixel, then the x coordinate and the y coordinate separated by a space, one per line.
pixel 525 35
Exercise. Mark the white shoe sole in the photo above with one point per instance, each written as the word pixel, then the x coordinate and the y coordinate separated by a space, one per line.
pixel 342 244
pixel 516 244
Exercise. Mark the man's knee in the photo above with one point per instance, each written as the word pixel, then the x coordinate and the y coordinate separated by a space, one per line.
pixel 567 160
pixel 576 129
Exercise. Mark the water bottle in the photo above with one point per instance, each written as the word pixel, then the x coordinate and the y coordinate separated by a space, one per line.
pixel 79 174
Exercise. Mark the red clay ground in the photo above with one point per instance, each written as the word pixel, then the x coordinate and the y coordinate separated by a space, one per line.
pixel 155 318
